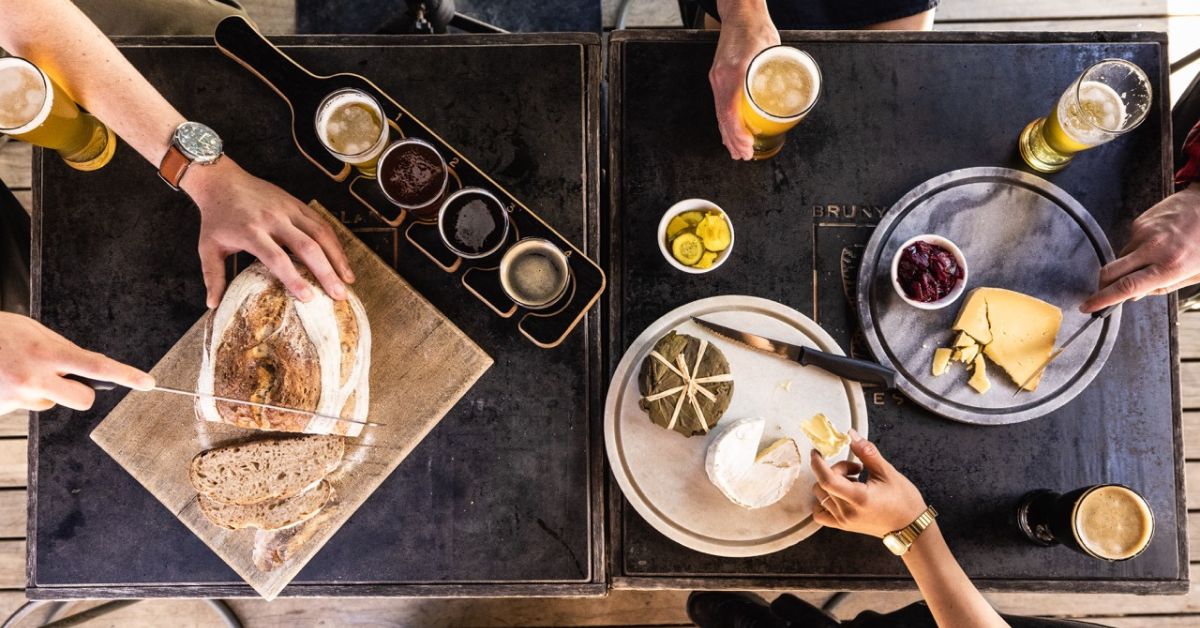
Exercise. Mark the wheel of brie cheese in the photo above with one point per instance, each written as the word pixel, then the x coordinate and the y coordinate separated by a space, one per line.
pixel 264 345
pixel 749 478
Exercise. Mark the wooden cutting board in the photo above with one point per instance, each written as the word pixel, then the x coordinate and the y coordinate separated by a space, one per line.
pixel 421 364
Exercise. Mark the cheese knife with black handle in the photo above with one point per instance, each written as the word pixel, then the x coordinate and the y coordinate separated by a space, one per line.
pixel 861 371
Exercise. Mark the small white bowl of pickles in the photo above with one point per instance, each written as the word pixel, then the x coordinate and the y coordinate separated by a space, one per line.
pixel 695 235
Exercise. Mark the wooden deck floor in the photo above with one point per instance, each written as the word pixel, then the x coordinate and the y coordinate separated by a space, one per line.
pixel 1179 17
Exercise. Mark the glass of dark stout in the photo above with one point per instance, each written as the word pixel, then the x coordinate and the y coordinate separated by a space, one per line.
pixel 473 223
pixel 1107 521
pixel 414 175
pixel 534 273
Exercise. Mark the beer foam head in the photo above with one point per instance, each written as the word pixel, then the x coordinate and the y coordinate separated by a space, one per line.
pixel 348 108
pixel 1113 522
pixel 25 97
pixel 783 82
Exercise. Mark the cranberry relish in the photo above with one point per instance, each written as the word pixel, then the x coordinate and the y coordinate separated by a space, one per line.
pixel 928 272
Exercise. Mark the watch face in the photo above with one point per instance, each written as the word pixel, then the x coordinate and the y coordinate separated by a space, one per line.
pixel 200 143
pixel 895 545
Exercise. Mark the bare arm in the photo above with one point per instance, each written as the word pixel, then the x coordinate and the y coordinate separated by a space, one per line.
pixel 239 212
pixel 888 501
pixel 746 29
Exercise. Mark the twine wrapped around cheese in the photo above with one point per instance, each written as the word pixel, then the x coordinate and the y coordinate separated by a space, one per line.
pixel 692 387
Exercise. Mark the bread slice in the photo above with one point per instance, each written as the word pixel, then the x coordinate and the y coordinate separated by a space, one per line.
pixel 265 470
pixel 270 515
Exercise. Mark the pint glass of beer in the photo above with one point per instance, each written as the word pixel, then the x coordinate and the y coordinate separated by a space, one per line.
pixel 351 126
pixel 782 85
pixel 1108 521
pixel 1109 99
pixel 33 108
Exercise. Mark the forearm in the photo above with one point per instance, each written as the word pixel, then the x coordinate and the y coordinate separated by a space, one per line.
pixel 741 10
pixel 60 39
pixel 952 598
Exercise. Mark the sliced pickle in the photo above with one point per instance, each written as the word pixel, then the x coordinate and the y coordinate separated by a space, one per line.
pixel 707 260
pixel 713 230
pixel 692 218
pixel 676 226
pixel 688 249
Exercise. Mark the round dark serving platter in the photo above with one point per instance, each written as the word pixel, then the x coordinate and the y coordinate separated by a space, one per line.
pixel 1017 231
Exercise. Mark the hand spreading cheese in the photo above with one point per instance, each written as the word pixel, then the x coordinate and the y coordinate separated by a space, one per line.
pixel 1014 330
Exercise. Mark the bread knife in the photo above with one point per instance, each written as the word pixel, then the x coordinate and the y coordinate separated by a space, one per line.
pixel 855 370
pixel 96 384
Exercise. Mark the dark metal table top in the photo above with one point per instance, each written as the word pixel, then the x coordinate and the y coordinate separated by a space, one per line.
pixel 896 110
pixel 503 497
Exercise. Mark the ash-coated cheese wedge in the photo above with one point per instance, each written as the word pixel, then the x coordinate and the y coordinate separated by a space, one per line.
pixel 745 476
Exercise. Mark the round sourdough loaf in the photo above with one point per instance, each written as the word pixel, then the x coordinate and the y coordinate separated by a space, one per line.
pixel 263 345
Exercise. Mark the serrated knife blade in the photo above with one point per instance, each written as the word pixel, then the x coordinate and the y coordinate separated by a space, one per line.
pixel 849 368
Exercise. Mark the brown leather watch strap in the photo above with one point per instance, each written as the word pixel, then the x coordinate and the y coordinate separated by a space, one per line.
pixel 174 165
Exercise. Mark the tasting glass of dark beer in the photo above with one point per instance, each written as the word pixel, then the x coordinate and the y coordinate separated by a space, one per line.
pixel 535 273
pixel 1107 521
pixel 413 175
pixel 473 223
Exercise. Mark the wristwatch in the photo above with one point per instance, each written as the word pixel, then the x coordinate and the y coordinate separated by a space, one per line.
pixel 901 540
pixel 191 143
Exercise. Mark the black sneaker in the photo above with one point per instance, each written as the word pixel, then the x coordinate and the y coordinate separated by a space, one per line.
pixel 713 609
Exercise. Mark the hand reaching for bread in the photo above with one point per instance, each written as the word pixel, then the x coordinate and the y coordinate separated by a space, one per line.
pixel 240 212
pixel 33 361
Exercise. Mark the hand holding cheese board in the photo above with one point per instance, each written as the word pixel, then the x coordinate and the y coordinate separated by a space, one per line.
pixel 1034 253
pixel 730 476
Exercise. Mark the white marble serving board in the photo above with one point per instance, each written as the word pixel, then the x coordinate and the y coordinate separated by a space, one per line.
pixel 661 472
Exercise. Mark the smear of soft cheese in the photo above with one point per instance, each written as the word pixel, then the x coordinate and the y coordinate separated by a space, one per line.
pixel 824 436
pixel 320 324
pixel 746 477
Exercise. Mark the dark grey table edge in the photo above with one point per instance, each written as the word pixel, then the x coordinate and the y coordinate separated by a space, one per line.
pixel 616 505
pixel 597 583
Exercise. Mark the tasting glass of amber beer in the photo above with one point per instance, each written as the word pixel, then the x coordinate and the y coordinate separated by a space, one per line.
pixel 352 127
pixel 1109 99
pixel 782 85
pixel 1108 521
pixel 33 108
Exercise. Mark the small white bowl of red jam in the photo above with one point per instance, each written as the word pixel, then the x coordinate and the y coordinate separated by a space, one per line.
pixel 929 272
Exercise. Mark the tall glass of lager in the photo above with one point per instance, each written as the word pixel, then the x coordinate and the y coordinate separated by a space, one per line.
pixel 1109 99
pixel 34 109
pixel 352 127
pixel 1107 521
pixel 782 85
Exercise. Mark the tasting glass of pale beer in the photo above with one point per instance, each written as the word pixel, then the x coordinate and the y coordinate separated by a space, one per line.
pixel 351 125
pixel 782 85
pixel 34 109
pixel 1109 99
pixel 1107 521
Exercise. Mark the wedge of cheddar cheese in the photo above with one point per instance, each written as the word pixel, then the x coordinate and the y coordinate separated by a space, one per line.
pixel 1017 331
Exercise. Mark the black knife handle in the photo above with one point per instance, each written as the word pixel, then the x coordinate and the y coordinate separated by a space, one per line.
pixel 861 371
pixel 94 384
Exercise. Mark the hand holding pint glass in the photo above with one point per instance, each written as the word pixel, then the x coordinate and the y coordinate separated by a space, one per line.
pixel 34 109
pixel 782 85
pixel 1108 100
